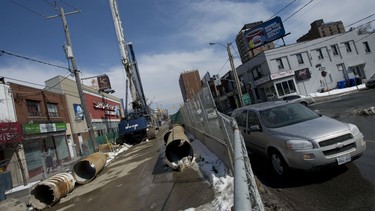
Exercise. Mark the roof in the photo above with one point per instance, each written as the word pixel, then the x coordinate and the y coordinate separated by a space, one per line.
pixel 264 105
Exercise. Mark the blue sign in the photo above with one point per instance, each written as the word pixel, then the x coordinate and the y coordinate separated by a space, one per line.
pixel 265 33
pixel 78 111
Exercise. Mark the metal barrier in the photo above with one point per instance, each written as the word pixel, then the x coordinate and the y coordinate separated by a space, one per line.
pixel 220 134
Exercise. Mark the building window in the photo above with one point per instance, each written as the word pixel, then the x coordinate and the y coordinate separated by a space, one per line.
pixel 280 64
pixel 347 47
pixel 320 53
pixel 52 110
pixel 299 58
pixel 367 47
pixel 286 87
pixel 33 108
pixel 334 50
pixel 257 72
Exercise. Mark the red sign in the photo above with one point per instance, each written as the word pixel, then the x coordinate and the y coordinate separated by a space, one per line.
pixel 10 132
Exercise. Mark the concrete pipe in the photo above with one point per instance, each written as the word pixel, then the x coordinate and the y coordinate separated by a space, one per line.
pixel 51 190
pixel 177 147
pixel 86 169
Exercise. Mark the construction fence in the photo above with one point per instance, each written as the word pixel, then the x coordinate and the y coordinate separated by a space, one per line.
pixel 220 134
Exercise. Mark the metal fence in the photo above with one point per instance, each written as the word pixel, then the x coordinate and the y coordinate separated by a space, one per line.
pixel 220 134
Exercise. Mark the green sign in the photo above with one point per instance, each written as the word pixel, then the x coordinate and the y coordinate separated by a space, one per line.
pixel 246 99
pixel 43 128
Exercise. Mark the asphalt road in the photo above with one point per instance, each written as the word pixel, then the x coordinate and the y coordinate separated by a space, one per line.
pixel 349 187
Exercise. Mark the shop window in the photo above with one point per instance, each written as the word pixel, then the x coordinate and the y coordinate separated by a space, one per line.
pixel 33 108
pixel 286 87
pixel 257 72
pixel 367 47
pixel 335 52
pixel 347 47
pixel 299 58
pixel 52 110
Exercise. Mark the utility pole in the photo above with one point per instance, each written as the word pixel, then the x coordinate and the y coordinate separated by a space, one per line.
pixel 70 57
pixel 235 75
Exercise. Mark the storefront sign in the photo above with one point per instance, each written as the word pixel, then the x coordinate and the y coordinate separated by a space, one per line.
pixel 108 109
pixel 10 131
pixel 262 80
pixel 43 128
pixel 302 74
pixel 281 74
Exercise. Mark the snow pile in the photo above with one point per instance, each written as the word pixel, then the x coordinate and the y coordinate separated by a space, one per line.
pixel 112 155
pixel 215 172
pixel 337 91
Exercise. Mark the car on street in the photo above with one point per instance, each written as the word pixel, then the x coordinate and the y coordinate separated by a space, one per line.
pixel 304 100
pixel 292 136
pixel 370 83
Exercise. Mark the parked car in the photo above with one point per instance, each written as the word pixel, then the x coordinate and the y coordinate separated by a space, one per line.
pixel 304 100
pixel 292 135
pixel 370 83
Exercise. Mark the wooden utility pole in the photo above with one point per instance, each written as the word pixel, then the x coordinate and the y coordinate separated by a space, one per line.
pixel 70 57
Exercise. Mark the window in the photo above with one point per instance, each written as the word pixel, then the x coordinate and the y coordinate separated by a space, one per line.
pixel 335 52
pixel 253 119
pixel 299 58
pixel 367 47
pixel 280 64
pixel 347 47
pixel 286 87
pixel 52 110
pixel 257 72
pixel 33 108
pixel 320 53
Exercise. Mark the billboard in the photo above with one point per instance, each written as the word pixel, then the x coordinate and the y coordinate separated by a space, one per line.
pixel 302 74
pixel 103 82
pixel 265 33
pixel 78 112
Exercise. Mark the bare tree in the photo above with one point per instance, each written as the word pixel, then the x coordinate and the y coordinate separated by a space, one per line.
pixel 11 138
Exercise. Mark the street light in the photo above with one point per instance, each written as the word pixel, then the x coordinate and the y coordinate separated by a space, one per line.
pixel 234 71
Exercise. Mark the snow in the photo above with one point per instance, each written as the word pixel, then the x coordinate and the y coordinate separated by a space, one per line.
pixel 337 91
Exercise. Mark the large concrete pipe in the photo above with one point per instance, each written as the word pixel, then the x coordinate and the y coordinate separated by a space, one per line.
pixel 177 146
pixel 51 190
pixel 86 169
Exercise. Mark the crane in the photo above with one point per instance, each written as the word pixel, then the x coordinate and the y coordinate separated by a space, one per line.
pixel 137 124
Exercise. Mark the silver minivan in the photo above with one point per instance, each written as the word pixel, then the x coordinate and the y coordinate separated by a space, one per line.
pixel 294 136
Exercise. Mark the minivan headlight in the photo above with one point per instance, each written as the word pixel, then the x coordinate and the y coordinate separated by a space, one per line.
pixel 354 129
pixel 299 145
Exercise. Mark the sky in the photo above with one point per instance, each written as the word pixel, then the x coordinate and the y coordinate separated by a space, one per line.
pixel 169 37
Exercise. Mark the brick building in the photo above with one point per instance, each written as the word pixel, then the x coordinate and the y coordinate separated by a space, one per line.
pixel 44 119
pixel 190 84
pixel 320 29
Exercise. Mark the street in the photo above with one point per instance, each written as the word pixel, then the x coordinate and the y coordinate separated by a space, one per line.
pixel 349 187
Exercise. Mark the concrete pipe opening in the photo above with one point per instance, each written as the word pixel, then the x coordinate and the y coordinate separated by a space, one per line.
pixel 50 191
pixel 177 146
pixel 178 149
pixel 85 170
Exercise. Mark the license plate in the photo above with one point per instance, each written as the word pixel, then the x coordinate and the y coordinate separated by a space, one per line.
pixel 343 159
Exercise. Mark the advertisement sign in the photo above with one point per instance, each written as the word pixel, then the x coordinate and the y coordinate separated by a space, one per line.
pixel 302 74
pixel 103 82
pixel 265 33
pixel 281 74
pixel 78 112
pixel 43 128
pixel 10 131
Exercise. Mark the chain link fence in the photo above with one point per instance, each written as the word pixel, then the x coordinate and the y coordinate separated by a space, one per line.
pixel 220 134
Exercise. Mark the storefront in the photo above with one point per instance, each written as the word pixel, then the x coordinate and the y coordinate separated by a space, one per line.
pixel 40 139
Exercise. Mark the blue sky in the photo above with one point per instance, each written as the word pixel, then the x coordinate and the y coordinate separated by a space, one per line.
pixel 169 37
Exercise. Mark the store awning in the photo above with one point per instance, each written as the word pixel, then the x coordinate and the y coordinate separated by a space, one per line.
pixel 357 64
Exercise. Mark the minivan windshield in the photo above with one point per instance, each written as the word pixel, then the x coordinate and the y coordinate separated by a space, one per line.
pixel 287 114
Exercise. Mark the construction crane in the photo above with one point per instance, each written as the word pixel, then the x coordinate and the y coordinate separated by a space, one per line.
pixel 137 124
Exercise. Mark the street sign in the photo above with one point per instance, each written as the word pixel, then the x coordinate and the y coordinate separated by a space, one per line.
pixel 323 73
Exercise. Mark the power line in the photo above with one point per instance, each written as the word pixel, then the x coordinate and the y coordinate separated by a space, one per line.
pixel 281 10
pixel 27 8
pixel 298 10
pixel 31 59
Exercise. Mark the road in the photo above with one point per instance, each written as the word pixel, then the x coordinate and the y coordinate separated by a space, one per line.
pixel 350 187
pixel 138 179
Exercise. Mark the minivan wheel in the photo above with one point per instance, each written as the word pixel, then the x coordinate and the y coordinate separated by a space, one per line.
pixel 278 163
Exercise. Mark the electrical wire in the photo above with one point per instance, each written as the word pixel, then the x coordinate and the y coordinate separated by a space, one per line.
pixel 31 59
pixel 281 10
pixel 27 8
pixel 298 10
